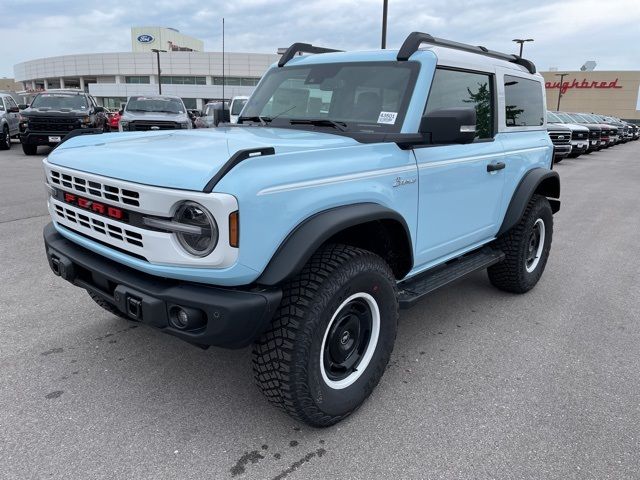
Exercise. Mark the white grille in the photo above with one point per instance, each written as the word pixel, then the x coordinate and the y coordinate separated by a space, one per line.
pixel 103 227
pixel 98 189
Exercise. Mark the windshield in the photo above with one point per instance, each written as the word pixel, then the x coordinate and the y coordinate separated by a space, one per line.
pixel 155 104
pixel 357 97
pixel 553 118
pixel 237 106
pixel 565 117
pixel 589 118
pixel 60 101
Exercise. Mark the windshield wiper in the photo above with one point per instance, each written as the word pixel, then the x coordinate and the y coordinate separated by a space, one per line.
pixel 257 118
pixel 319 122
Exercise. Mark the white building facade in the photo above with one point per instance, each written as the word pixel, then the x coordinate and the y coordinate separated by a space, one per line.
pixel 196 77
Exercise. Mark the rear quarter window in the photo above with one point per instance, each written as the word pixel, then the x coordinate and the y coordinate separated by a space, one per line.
pixel 524 105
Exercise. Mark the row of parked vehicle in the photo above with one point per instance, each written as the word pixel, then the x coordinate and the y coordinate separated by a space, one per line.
pixel 574 134
pixel 56 115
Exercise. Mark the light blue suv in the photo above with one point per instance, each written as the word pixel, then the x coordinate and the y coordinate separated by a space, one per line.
pixel 354 184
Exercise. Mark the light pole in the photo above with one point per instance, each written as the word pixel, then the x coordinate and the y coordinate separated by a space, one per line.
pixel 521 41
pixel 385 7
pixel 158 62
pixel 561 75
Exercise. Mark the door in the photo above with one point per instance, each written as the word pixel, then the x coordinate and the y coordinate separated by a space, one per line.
pixel 13 119
pixel 460 185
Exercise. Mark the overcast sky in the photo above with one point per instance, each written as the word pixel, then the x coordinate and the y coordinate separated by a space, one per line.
pixel 566 32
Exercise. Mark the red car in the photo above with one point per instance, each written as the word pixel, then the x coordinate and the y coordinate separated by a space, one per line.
pixel 114 119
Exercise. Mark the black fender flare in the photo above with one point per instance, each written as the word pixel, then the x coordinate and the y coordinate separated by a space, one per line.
pixel 298 247
pixel 537 180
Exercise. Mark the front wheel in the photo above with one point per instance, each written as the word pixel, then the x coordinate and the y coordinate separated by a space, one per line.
pixel 330 342
pixel 5 139
pixel 526 247
pixel 29 149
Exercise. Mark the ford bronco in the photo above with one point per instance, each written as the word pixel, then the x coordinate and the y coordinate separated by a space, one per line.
pixel 354 184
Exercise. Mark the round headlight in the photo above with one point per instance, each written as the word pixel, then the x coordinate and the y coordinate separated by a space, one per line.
pixel 204 238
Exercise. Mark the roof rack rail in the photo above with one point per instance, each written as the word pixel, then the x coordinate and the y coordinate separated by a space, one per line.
pixel 302 48
pixel 415 39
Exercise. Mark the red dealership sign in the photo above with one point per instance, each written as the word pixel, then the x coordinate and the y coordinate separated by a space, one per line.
pixel 584 84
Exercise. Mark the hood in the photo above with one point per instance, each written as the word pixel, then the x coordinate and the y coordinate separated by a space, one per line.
pixel 183 159
pixel 153 116
pixel 571 126
pixel 48 112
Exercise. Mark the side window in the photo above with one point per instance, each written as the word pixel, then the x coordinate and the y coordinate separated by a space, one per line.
pixel 11 103
pixel 454 88
pixel 2 104
pixel 523 102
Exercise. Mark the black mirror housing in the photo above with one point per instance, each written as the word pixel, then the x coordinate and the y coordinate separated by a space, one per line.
pixel 23 106
pixel 13 109
pixel 98 109
pixel 450 126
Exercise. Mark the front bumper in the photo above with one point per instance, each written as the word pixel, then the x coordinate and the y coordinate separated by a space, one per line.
pixel 580 146
pixel 42 138
pixel 229 317
pixel 561 151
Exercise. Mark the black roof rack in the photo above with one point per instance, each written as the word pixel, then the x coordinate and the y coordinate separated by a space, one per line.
pixel 415 39
pixel 296 48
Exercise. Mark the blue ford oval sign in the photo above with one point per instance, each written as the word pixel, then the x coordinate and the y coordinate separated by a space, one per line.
pixel 144 38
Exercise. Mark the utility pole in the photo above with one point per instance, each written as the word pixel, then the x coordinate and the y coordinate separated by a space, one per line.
pixel 385 7
pixel 223 79
pixel 561 75
pixel 158 63
pixel 521 41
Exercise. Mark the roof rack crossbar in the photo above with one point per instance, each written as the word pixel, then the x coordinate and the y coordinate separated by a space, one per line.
pixel 296 48
pixel 415 39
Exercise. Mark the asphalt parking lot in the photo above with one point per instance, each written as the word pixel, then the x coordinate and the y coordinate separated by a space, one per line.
pixel 482 384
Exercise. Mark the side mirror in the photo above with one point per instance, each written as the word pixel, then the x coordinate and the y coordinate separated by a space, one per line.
pixel 13 109
pixel 450 125
pixel 121 111
pixel 221 116
pixel 23 106
pixel 98 109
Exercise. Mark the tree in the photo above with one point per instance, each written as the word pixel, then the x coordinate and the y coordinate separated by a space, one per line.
pixel 482 101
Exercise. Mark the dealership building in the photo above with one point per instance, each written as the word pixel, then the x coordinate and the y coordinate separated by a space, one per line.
pixel 185 70
pixel 615 93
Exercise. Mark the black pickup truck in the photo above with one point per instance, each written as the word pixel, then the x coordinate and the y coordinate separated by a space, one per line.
pixel 53 115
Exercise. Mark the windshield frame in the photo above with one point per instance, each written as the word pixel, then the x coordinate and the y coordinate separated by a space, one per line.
pixel 279 121
pixel 155 98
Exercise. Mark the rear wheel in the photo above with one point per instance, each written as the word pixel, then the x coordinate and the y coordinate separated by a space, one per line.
pixel 5 139
pixel 29 149
pixel 526 247
pixel 330 342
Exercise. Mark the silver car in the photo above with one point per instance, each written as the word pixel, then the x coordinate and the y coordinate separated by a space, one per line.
pixel 154 112
pixel 9 120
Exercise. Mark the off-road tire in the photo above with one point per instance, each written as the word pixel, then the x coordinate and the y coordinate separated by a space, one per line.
pixel 287 358
pixel 106 305
pixel 511 274
pixel 5 139
pixel 29 149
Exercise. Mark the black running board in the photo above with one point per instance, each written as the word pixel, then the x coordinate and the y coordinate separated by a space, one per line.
pixel 415 288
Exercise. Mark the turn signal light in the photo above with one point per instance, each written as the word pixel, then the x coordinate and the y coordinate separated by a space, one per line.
pixel 234 229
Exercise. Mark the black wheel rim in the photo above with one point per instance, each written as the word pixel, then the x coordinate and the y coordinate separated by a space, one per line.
pixel 347 340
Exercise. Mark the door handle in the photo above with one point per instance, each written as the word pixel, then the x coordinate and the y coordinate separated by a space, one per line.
pixel 494 167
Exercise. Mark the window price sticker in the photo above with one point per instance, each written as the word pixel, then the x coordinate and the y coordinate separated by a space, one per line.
pixel 387 117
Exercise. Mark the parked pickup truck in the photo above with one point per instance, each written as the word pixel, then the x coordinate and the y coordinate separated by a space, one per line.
pixel 9 120
pixel 304 231
pixel 144 113
pixel 56 114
